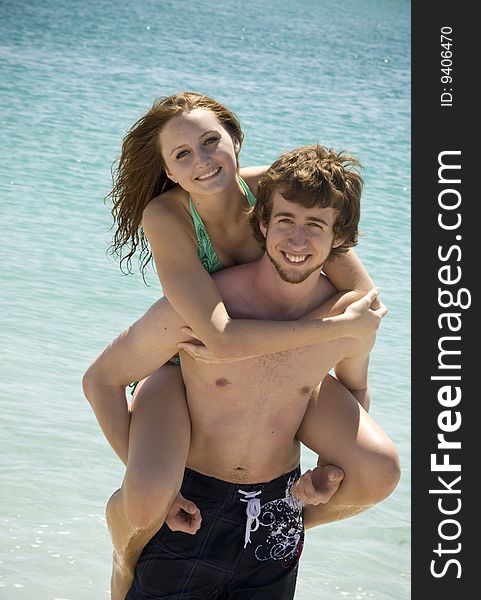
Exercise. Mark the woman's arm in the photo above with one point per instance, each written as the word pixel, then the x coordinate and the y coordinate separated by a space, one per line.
pixel 193 293
pixel 352 371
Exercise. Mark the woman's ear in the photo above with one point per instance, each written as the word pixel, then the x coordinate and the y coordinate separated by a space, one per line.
pixel 169 175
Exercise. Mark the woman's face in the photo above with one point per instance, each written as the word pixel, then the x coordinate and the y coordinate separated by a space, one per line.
pixel 198 152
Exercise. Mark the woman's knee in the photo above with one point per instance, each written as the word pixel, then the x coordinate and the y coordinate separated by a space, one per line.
pixel 392 470
pixel 380 474
pixel 112 507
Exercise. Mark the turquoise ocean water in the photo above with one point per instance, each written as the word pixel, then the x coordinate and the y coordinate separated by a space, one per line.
pixel 73 77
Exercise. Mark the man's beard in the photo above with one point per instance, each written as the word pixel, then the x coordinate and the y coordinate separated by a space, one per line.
pixel 292 277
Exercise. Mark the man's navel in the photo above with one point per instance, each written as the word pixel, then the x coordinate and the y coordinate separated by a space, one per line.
pixel 222 382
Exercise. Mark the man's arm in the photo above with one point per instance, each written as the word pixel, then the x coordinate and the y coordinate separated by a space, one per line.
pixel 352 371
pixel 136 353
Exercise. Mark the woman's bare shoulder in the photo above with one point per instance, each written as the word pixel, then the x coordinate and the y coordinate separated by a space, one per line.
pixel 167 219
pixel 252 175
pixel 172 203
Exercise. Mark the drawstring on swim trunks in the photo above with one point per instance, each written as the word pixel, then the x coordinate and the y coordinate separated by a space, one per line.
pixel 253 510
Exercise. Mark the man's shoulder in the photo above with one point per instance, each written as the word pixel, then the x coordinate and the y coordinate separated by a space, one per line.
pixel 232 284
pixel 236 276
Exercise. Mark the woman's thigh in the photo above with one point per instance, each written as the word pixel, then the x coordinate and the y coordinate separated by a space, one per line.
pixel 342 433
pixel 159 434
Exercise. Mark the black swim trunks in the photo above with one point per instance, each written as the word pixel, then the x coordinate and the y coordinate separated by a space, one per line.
pixel 247 548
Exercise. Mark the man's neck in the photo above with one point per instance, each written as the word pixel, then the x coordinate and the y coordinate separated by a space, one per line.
pixel 282 299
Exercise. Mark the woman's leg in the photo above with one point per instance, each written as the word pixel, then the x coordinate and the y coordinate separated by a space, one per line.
pixel 159 441
pixel 341 432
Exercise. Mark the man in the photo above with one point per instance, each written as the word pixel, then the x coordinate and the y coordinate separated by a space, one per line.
pixel 247 415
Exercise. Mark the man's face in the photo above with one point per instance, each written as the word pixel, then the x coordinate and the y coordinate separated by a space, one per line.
pixel 298 239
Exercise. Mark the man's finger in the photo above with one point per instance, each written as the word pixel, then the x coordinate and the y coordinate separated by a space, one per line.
pixel 309 490
pixel 189 507
pixel 185 504
pixel 296 489
pixel 299 488
pixel 194 527
pixel 194 522
pixel 197 519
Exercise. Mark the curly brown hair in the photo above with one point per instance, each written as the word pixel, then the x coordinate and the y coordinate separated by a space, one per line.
pixel 140 173
pixel 313 176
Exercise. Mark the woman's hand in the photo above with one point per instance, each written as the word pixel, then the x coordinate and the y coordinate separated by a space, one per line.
pixel 361 318
pixel 202 353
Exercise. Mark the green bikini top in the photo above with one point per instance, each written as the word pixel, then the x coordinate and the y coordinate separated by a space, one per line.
pixel 206 251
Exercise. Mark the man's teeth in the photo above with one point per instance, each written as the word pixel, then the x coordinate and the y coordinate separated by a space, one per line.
pixel 296 259
pixel 209 174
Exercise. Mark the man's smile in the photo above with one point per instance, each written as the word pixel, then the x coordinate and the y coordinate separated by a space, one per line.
pixel 295 258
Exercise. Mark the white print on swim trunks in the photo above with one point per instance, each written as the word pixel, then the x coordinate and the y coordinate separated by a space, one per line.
pixel 283 517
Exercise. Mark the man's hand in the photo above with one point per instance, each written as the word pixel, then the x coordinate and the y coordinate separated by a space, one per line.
pixel 360 318
pixel 318 486
pixel 183 516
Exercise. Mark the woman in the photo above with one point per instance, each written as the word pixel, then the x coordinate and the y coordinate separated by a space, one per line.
pixel 178 185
